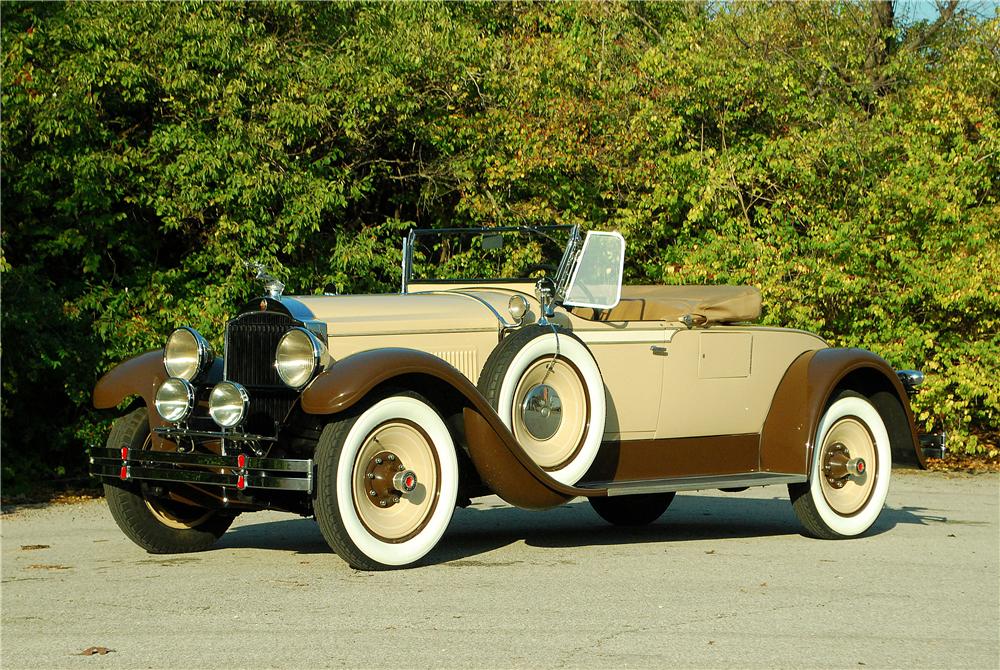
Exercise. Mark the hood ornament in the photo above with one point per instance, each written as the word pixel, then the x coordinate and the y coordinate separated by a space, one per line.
pixel 272 285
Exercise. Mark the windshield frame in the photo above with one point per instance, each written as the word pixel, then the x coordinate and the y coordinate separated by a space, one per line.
pixel 562 275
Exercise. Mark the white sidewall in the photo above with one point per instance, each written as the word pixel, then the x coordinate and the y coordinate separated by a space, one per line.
pixel 577 353
pixel 398 407
pixel 865 517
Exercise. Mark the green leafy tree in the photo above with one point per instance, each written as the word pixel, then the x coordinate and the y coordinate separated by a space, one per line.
pixel 841 160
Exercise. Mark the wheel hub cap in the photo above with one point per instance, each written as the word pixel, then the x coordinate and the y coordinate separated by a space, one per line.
pixel 388 479
pixel 541 411
pixel 839 467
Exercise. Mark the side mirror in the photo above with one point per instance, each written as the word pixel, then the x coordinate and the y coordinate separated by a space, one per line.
pixel 597 278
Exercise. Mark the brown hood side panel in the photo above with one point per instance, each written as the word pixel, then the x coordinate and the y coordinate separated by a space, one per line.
pixel 501 462
pixel 791 423
pixel 141 376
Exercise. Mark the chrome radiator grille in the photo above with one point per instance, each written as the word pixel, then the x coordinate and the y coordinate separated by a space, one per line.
pixel 251 340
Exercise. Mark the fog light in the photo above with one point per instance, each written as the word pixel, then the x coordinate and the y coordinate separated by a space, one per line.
pixel 228 404
pixel 174 400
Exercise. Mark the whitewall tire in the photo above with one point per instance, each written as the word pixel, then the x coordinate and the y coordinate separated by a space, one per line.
pixel 850 471
pixel 547 389
pixel 367 516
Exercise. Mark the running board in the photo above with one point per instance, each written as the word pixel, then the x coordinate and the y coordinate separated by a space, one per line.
pixel 635 487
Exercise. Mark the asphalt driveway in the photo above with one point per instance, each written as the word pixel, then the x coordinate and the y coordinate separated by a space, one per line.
pixel 722 580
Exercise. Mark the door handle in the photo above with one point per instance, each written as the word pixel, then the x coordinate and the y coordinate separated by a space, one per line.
pixel 658 351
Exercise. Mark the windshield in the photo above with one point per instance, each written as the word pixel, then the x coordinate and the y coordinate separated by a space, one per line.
pixel 467 255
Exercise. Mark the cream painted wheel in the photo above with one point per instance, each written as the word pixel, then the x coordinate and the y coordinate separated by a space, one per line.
pixel 175 517
pixel 550 411
pixel 387 482
pixel 850 471
pixel 547 388
pixel 387 516
pixel 158 525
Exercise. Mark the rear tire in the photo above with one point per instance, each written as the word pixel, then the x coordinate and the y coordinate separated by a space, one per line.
pixel 831 507
pixel 158 525
pixel 636 510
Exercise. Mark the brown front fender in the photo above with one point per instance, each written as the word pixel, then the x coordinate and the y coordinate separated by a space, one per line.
pixel 140 376
pixel 786 441
pixel 500 461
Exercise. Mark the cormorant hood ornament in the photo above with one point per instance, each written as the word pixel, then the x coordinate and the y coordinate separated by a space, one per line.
pixel 272 285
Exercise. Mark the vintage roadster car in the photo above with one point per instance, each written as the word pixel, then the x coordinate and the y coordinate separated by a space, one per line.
pixel 378 414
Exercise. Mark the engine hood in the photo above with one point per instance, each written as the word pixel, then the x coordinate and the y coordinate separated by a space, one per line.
pixel 350 315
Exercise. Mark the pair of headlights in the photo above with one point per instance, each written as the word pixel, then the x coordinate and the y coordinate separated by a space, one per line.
pixel 298 357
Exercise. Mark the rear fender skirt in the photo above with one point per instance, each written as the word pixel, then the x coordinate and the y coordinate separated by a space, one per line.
pixel 499 459
pixel 786 441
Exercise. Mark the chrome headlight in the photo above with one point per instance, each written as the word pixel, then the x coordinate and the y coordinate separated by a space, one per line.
pixel 299 356
pixel 186 354
pixel 228 404
pixel 174 400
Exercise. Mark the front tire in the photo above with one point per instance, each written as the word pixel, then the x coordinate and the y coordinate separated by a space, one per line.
pixel 370 522
pixel 837 501
pixel 158 525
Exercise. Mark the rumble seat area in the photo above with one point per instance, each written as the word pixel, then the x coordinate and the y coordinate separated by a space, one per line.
pixel 704 304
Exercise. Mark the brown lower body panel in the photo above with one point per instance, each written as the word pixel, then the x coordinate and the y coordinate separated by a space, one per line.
pixel 633 460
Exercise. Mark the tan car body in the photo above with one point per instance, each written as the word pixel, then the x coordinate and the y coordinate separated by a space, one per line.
pixel 689 405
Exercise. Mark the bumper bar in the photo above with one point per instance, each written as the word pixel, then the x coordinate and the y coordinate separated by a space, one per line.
pixel 934 445
pixel 239 472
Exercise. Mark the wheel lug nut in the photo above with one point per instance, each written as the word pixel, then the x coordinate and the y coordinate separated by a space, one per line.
pixel 392 457
pixel 400 467
pixel 371 475
pixel 395 499
pixel 372 492
pixel 381 503
pixel 378 461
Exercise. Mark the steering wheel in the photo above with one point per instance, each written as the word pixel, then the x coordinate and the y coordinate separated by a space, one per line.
pixel 547 267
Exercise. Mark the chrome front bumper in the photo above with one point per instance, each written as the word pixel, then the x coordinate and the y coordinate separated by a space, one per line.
pixel 238 472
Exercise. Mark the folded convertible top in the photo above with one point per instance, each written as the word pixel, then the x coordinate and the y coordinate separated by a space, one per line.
pixel 703 304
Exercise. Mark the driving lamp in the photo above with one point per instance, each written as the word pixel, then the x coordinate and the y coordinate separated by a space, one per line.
pixel 228 404
pixel 174 400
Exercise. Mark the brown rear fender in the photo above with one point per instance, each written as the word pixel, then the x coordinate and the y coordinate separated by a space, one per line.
pixel 500 461
pixel 786 441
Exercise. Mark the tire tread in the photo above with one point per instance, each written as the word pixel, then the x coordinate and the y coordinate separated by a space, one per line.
pixel 128 507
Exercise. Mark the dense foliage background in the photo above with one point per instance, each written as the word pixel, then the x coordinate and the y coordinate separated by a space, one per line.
pixel 842 160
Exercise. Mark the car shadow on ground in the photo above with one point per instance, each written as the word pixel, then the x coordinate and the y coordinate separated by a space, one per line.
pixel 489 525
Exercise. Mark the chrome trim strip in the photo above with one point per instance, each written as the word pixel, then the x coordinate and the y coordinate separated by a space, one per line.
pixel 694 483
pixel 645 336
pixel 383 333
pixel 503 322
